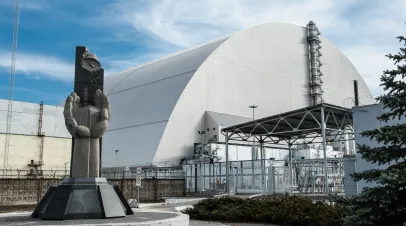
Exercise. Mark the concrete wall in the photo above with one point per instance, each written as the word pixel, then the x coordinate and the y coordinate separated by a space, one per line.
pixel 24 148
pixel 25 119
pixel 24 142
pixel 365 119
pixel 30 191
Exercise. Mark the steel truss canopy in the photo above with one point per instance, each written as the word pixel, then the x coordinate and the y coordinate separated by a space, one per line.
pixel 301 126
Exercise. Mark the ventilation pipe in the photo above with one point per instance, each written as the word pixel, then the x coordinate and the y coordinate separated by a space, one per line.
pixel 356 98
pixel 316 91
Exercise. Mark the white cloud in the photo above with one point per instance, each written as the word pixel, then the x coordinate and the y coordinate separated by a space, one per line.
pixel 364 30
pixel 185 23
pixel 113 65
pixel 26 4
pixel 39 66
pixel 41 93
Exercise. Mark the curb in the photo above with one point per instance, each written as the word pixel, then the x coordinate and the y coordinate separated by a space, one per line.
pixel 170 201
pixel 179 209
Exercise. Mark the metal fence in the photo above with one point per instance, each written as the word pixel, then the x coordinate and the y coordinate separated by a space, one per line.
pixel 34 173
pixel 270 177
pixel 147 172
pixel 110 173
pixel 29 191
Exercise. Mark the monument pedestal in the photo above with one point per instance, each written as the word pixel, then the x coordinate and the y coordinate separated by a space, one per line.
pixel 82 198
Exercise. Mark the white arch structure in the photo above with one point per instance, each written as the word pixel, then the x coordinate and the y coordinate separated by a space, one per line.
pixel 156 107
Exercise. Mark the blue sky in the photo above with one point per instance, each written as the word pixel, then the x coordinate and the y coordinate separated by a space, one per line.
pixel 125 33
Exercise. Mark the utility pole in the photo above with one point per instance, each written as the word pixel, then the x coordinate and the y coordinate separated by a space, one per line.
pixel 254 151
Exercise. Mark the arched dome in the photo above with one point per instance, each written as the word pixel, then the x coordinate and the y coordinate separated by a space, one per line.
pixel 156 107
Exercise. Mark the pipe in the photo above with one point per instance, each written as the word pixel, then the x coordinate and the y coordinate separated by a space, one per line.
pixel 227 170
pixel 356 97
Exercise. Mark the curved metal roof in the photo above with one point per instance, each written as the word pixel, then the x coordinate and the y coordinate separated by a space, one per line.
pixel 157 107
pixel 142 98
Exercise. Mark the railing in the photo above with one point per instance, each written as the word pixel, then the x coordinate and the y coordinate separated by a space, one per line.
pixel 158 172
pixel 34 173
pixel 248 177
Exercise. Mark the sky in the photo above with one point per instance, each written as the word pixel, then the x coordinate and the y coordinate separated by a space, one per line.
pixel 125 33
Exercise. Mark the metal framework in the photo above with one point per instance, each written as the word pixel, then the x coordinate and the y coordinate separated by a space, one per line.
pixel 319 123
pixel 11 87
pixel 316 91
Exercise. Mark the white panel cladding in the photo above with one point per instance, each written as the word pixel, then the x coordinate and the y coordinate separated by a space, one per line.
pixel 145 99
pixel 111 81
pixel 136 145
pixel 267 66
pixel 288 36
pixel 25 119
pixel 186 62
pixel 146 104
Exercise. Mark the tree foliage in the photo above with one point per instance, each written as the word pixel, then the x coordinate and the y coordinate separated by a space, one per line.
pixel 385 204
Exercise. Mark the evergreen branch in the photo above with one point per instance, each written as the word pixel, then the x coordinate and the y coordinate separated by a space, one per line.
pixel 393 134
pixel 385 204
pixel 377 206
pixel 394 175
pixel 382 155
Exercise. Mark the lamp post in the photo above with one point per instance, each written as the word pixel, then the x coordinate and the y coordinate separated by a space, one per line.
pixel 116 157
pixel 66 170
pixel 253 107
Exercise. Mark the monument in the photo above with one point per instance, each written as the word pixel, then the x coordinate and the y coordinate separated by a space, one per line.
pixel 85 195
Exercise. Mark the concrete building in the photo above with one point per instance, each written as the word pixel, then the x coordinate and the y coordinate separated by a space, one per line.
pixel 158 108
pixel 365 119
pixel 38 138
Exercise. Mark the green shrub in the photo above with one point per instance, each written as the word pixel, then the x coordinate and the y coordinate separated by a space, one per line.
pixel 289 210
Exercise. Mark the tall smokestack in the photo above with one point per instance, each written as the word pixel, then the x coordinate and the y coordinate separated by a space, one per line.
pixel 356 100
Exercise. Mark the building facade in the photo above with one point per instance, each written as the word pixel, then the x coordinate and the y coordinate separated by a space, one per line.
pixel 365 118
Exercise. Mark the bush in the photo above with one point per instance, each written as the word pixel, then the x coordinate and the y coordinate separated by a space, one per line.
pixel 288 210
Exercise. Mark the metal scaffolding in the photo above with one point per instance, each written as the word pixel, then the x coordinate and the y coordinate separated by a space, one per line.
pixel 319 123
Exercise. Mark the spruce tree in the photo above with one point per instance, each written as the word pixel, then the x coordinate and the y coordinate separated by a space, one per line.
pixel 385 204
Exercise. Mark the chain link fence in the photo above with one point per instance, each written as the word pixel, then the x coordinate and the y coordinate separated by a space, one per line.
pixel 269 177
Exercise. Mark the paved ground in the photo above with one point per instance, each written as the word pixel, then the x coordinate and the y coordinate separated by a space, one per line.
pixel 154 212
pixel 18 219
pixel 205 223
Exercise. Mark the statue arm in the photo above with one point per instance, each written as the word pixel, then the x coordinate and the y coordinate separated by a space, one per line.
pixel 72 104
pixel 101 101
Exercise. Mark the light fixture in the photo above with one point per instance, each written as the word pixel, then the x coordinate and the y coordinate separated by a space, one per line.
pixel 90 62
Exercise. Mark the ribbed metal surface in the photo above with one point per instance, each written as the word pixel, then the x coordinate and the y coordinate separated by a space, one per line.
pixel 157 108
pixel 142 100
